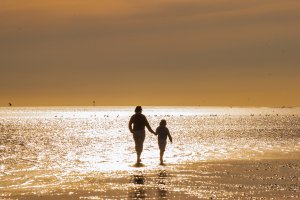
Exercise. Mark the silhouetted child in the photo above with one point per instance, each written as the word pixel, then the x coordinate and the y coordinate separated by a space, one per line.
pixel 163 132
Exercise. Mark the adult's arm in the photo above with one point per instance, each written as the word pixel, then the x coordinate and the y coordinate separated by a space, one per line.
pixel 149 127
pixel 130 124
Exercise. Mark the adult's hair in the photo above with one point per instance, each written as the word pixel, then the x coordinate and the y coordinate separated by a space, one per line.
pixel 138 109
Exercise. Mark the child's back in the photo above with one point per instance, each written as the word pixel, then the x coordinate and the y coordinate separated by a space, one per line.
pixel 163 132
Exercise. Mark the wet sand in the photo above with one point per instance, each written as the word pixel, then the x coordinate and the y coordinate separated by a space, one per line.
pixel 261 179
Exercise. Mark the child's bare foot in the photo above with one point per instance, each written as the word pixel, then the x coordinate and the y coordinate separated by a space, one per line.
pixel 161 162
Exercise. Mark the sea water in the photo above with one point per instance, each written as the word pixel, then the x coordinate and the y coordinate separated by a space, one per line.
pixel 46 148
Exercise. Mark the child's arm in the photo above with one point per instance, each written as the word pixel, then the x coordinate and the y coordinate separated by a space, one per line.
pixel 156 131
pixel 170 137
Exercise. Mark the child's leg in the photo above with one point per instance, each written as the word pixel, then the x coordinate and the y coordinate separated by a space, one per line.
pixel 161 156
pixel 162 147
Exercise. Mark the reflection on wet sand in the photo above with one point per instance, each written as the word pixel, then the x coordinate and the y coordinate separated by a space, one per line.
pixel 138 179
pixel 154 186
pixel 138 191
pixel 162 185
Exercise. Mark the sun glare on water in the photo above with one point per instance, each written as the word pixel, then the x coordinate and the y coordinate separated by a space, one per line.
pixel 50 148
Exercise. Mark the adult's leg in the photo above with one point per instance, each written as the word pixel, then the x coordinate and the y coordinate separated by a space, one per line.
pixel 139 138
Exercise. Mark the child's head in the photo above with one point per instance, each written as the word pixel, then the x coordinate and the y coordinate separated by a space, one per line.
pixel 163 122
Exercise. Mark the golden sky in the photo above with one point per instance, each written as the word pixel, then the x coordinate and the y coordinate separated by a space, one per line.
pixel 158 52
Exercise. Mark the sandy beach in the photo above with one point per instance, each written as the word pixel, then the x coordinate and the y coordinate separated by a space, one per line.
pixel 261 179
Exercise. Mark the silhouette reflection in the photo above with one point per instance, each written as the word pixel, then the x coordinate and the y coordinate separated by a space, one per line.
pixel 138 192
pixel 162 191
pixel 157 185
pixel 138 179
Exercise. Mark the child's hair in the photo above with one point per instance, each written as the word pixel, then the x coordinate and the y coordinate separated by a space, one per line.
pixel 163 122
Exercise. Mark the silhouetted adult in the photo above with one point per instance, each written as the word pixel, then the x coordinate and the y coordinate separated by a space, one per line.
pixel 139 122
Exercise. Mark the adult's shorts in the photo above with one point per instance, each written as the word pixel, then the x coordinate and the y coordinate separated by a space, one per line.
pixel 139 137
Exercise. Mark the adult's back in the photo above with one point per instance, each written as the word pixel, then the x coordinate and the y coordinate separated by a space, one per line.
pixel 139 122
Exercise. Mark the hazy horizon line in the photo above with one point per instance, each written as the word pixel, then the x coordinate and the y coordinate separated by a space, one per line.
pixel 203 106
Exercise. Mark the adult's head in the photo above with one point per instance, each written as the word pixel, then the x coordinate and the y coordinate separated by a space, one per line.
pixel 138 109
pixel 163 122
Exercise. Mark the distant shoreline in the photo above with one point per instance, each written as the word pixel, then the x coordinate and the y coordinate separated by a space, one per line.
pixel 100 106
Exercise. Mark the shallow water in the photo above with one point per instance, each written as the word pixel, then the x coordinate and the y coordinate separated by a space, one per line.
pixel 51 148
